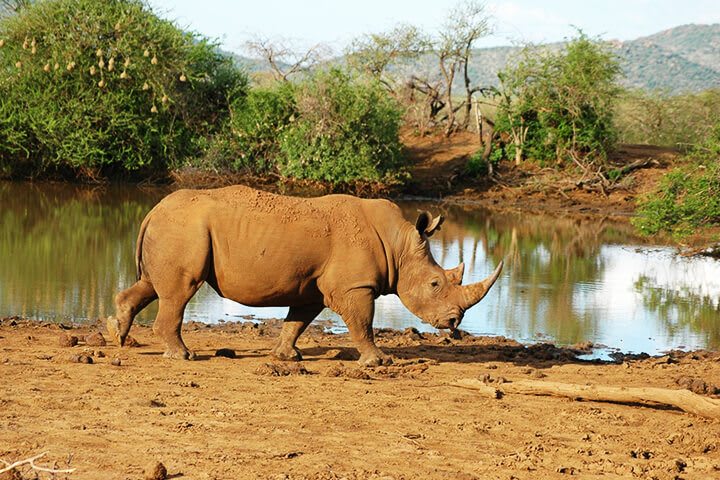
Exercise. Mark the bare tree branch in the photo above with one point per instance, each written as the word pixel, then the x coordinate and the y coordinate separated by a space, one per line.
pixel 283 60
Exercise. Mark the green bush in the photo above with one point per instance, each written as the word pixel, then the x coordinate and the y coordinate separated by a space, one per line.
pixel 688 197
pixel 331 127
pixel 105 87
pixel 347 129
pixel 558 104
pixel 258 122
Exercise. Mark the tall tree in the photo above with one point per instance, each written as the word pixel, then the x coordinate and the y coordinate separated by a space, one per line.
pixel 376 53
pixel 465 24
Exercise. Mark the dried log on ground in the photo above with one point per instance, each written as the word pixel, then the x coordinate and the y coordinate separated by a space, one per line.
pixel 682 399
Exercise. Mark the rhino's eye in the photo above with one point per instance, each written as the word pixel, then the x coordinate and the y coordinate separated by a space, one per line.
pixel 435 283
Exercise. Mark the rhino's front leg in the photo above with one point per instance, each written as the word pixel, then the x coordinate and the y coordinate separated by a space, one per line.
pixel 297 320
pixel 357 310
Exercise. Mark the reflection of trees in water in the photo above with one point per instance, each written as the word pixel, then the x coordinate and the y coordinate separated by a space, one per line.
pixel 547 258
pixel 681 309
pixel 64 247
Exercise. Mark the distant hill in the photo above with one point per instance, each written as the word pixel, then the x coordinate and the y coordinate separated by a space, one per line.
pixel 681 59
pixel 678 60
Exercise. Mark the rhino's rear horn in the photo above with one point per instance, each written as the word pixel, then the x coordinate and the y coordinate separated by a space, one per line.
pixel 426 224
pixel 475 292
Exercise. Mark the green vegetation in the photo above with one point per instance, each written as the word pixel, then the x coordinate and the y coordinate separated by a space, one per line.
pixel 558 105
pixel 105 89
pixel 688 197
pixel 657 118
pixel 331 126
pixel 97 88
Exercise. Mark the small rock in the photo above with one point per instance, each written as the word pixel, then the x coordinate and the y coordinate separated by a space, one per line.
pixel 116 362
pixel 85 359
pixel 131 342
pixel 80 359
pixel 281 369
pixel 99 354
pixel 66 341
pixel 566 470
pixel 225 352
pixel 412 333
pixel 156 471
pixel 95 340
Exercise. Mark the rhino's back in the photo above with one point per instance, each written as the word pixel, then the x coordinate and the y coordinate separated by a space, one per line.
pixel 269 249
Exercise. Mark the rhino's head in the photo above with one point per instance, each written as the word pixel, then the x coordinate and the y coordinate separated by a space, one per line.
pixel 435 295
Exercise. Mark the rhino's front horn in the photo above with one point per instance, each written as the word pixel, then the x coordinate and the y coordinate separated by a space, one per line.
pixel 475 292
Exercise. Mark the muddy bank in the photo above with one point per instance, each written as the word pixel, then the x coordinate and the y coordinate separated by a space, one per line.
pixel 236 413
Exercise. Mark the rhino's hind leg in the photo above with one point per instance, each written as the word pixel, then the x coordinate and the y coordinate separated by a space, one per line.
pixel 168 325
pixel 297 320
pixel 129 303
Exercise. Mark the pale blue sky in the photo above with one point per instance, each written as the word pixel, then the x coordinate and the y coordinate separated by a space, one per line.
pixel 336 22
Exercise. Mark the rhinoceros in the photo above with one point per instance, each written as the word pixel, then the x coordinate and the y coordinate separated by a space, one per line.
pixel 262 249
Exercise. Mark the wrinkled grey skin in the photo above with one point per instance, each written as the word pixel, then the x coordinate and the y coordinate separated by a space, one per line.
pixel 261 249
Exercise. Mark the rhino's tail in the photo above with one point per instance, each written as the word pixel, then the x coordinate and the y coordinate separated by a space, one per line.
pixel 139 244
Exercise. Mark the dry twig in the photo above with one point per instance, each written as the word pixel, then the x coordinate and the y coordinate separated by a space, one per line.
pixel 31 461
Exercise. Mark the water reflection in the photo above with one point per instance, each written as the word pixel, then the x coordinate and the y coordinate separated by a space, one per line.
pixel 65 250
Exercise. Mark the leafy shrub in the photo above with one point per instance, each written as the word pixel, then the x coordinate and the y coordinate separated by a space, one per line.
pixel 330 127
pixel 559 104
pixel 347 129
pixel 258 122
pixel 103 87
pixel 476 166
pixel 687 197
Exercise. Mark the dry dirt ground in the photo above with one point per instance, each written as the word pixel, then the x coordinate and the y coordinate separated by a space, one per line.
pixel 438 170
pixel 250 417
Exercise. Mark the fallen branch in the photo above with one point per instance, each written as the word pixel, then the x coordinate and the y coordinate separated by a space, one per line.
pixel 31 461
pixel 682 399
pixel 637 164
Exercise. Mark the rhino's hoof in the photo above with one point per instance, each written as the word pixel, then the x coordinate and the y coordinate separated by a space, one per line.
pixel 179 354
pixel 286 355
pixel 375 360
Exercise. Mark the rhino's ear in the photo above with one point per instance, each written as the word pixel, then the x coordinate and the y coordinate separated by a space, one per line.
pixel 426 224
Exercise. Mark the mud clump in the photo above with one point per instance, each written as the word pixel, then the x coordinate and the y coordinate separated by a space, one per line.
pixel 342 354
pixel 95 340
pixel 340 370
pixel 225 352
pixel 67 341
pixel 281 369
pixel 155 471
pixel 698 385
pixel 404 368
pixel 412 333
pixel 131 342
pixel 86 359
